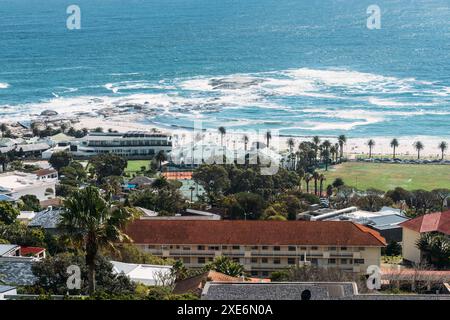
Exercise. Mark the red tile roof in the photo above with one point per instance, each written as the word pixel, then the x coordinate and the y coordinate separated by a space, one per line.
pixel 239 232
pixel 24 251
pixel 438 221
pixel 195 284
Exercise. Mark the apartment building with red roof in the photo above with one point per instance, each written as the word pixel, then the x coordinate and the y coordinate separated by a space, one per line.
pixel 261 246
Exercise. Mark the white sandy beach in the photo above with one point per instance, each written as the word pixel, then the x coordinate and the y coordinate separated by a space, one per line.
pixel 353 147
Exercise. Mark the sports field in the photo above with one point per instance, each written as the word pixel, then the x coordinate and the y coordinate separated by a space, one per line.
pixel 386 176
pixel 135 165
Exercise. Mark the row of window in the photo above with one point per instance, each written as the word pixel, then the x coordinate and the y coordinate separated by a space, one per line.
pixel 290 261
pixel 274 248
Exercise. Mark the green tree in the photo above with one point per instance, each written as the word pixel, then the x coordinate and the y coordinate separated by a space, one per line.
pixel 51 276
pixel 60 159
pixel 8 212
pixel 436 249
pixel 214 179
pixel 107 164
pixel 222 132
pixel 443 146
pixel 419 147
pixel 341 140
pixel 30 203
pixel 92 223
pixel 394 145
pixel 226 266
pixel 338 182
pixel 160 157
pixel 371 144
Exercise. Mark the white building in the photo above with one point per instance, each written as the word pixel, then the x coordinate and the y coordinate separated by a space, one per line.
pixel 198 153
pixel 16 184
pixel 133 143
pixel 147 274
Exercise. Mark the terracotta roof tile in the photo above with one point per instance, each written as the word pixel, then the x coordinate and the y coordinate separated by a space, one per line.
pixel 438 221
pixel 195 284
pixel 239 232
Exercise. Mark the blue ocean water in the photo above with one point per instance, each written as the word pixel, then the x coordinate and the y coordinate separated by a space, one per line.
pixel 305 67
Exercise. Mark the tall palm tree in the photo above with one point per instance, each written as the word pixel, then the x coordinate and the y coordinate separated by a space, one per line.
pixel 316 143
pixel 222 132
pixel 308 177
pixel 342 139
pixel 268 137
pixel 418 146
pixel 333 152
pixel 291 144
pixel 336 145
pixel 245 143
pixel 443 146
pixel 316 178
pixel 371 144
pixel 322 178
pixel 394 145
pixel 93 223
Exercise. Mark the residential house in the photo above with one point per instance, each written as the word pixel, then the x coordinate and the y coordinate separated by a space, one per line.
pixel 147 274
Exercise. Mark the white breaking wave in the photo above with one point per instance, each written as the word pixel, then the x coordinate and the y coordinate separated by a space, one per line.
pixel 348 99
pixel 4 85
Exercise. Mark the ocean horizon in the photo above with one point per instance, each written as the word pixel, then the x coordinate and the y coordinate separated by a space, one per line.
pixel 300 67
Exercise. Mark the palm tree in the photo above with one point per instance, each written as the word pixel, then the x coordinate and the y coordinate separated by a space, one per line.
pixel 443 146
pixel 394 144
pixel 326 157
pixel 333 152
pixel 418 146
pixel 268 137
pixel 316 142
pixel 322 178
pixel 308 177
pixel 160 157
pixel 435 248
pixel 222 132
pixel 291 144
pixel 315 177
pixel 342 139
pixel 93 223
pixel 371 144
pixel 245 143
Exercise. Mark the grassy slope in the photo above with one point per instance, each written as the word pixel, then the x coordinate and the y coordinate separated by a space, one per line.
pixel 388 176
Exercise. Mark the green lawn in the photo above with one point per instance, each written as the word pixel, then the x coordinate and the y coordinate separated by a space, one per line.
pixel 385 176
pixel 135 165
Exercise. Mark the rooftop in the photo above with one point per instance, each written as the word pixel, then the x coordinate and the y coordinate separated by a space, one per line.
pixel 19 180
pixel 240 232
pixel 438 221
pixel 279 291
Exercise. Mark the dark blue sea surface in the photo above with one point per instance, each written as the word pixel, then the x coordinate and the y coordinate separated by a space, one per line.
pixel 304 67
